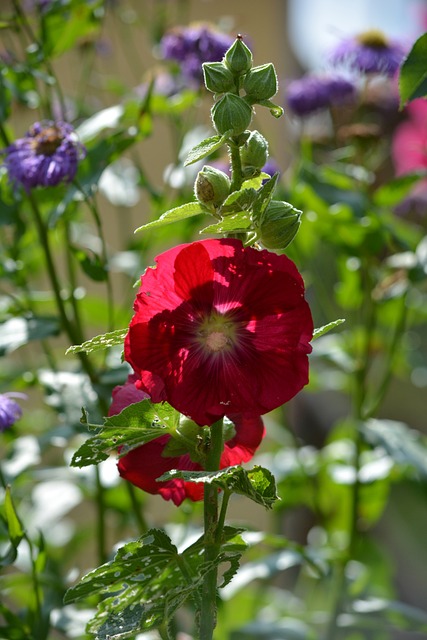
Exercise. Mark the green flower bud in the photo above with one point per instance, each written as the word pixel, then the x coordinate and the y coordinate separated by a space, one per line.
pixel 231 113
pixel 218 78
pixel 212 186
pixel 279 225
pixel 260 83
pixel 254 153
pixel 238 58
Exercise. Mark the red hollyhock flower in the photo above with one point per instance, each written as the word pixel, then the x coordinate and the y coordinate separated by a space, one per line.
pixel 220 329
pixel 141 466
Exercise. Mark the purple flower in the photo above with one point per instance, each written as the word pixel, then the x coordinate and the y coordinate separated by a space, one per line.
pixel 10 411
pixel 369 52
pixel 193 45
pixel 313 93
pixel 47 155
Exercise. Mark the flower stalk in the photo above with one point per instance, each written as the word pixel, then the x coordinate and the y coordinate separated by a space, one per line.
pixel 212 535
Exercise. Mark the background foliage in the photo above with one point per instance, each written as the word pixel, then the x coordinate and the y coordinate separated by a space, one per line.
pixel 341 554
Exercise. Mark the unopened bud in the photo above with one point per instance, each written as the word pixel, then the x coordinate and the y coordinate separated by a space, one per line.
pixel 279 225
pixel 212 186
pixel 254 153
pixel 238 58
pixel 218 78
pixel 260 83
pixel 231 113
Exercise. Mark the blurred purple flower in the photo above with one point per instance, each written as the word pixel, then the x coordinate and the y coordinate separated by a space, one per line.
pixel 369 52
pixel 313 93
pixel 47 155
pixel 10 411
pixel 193 45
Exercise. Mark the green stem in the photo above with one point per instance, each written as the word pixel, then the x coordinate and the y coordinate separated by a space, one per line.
pixel 391 355
pixel 100 523
pixel 211 536
pixel 68 326
pixel 236 167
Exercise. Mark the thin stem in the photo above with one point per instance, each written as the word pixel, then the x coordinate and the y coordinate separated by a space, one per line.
pixel 212 544
pixel 100 523
pixel 70 329
pixel 391 355
pixel 93 209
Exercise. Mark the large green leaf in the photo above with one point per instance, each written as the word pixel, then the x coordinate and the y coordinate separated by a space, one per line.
pixel 147 581
pixel 257 484
pixel 413 73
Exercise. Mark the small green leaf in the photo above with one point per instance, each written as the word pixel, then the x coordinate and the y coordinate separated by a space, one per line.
pixel 175 215
pixel 326 328
pixel 413 73
pixel 263 198
pixel 275 110
pixel 257 484
pixel 205 148
pixel 238 201
pixel 136 425
pixel 104 341
pixel 239 222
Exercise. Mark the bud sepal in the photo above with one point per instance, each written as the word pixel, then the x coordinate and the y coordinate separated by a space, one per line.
pixel 212 187
pixel 231 113
pixel 260 83
pixel 279 225
pixel 217 77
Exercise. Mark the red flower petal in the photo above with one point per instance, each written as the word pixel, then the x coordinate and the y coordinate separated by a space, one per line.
pixel 219 329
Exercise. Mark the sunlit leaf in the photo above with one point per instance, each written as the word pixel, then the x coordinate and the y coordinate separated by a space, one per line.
pixel 238 222
pixel 327 327
pixel 175 215
pixel 257 484
pixel 104 341
pixel 136 425
pixel 205 148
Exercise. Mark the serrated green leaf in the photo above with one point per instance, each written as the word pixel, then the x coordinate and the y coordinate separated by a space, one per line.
pixel 238 201
pixel 104 341
pixel 205 148
pixel 326 328
pixel 175 215
pixel 257 484
pixel 238 222
pixel 145 584
pixel 136 425
pixel 413 73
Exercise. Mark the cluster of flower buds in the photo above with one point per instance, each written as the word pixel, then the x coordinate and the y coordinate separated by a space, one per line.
pixel 232 113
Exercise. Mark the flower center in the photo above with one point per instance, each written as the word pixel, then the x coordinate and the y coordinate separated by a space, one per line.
pixel 217 333
pixel 47 141
pixel 373 38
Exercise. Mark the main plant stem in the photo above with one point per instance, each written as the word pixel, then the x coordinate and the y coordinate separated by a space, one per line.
pixel 211 537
